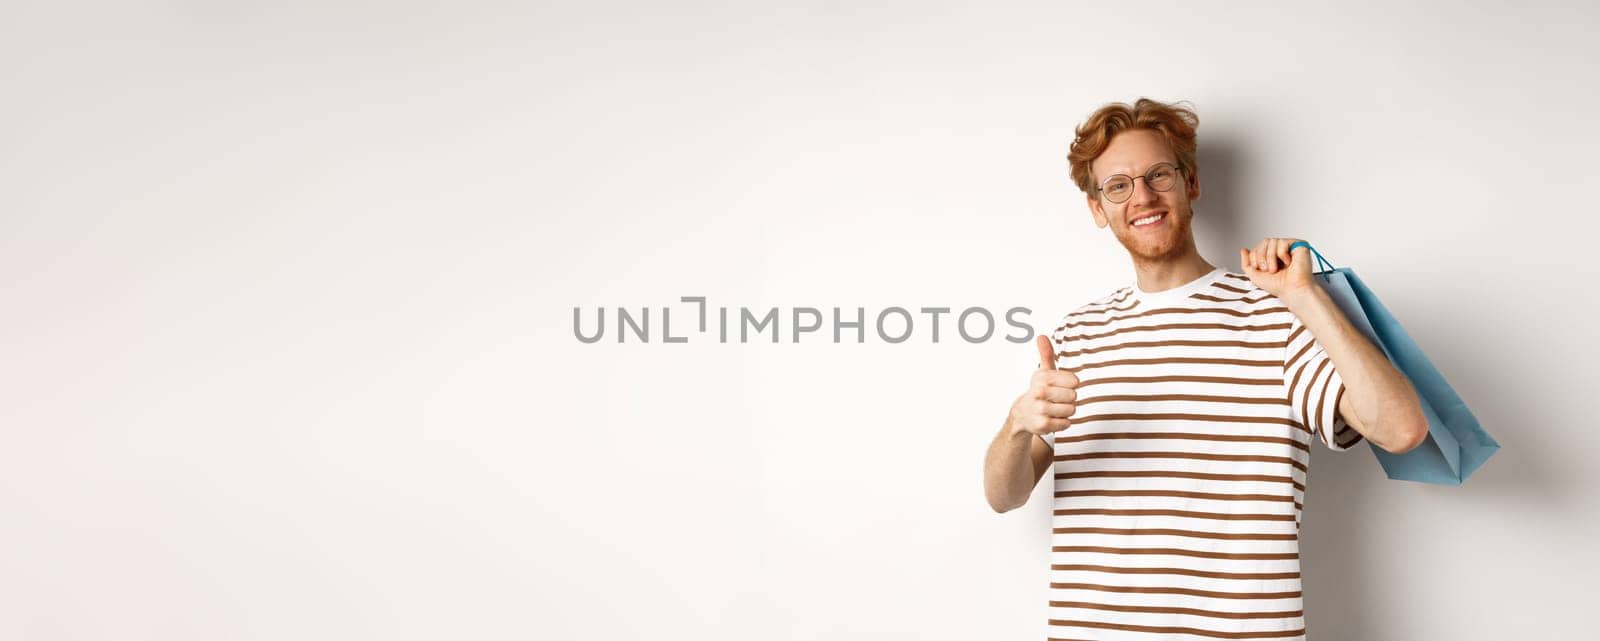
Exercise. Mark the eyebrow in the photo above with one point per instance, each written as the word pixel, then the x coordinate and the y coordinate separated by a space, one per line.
pixel 1174 164
pixel 1146 169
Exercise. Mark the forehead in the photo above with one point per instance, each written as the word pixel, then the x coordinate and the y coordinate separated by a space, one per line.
pixel 1132 152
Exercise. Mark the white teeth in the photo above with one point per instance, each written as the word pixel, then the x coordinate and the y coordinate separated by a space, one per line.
pixel 1147 220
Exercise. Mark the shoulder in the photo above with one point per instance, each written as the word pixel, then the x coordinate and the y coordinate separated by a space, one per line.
pixel 1237 290
pixel 1252 306
pixel 1232 286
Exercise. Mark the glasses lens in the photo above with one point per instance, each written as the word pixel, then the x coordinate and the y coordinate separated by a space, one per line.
pixel 1118 188
pixel 1161 178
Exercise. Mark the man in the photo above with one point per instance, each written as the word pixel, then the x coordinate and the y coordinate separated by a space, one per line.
pixel 1180 425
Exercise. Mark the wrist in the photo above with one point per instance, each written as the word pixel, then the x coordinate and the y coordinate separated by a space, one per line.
pixel 1298 298
pixel 1014 429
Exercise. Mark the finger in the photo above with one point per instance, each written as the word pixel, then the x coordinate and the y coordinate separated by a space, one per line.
pixel 1302 251
pixel 1047 352
pixel 1260 254
pixel 1283 250
pixel 1060 378
pixel 1302 255
pixel 1298 261
pixel 1036 383
pixel 1057 424
pixel 1059 394
pixel 1272 255
pixel 1059 410
pixel 1244 259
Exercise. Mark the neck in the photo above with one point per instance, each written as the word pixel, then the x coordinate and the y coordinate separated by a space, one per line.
pixel 1155 276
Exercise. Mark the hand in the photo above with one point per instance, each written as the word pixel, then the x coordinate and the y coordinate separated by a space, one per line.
pixel 1049 401
pixel 1271 266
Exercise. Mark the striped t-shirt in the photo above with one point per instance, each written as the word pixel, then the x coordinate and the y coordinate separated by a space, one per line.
pixel 1179 485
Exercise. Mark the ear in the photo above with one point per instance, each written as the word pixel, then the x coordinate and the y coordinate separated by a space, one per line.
pixel 1193 184
pixel 1098 213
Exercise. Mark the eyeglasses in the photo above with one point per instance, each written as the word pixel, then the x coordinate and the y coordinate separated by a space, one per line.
pixel 1119 187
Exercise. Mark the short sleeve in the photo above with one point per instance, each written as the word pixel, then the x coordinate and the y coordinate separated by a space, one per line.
pixel 1315 389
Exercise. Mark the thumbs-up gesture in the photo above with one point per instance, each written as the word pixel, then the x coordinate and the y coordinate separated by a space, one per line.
pixel 1051 398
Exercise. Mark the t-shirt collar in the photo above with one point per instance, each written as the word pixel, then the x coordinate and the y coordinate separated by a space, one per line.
pixel 1167 296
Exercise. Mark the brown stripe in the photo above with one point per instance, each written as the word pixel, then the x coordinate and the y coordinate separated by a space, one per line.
pixel 1305 401
pixel 1181 310
pixel 1209 496
pixel 1295 334
pixel 1166 326
pixel 1229 536
pixel 1338 398
pixel 1165 590
pixel 1203 554
pixel 1238 277
pixel 1115 298
pixel 1230 288
pixel 1171 474
pixel 1191 611
pixel 1184 436
pixel 1109 569
pixel 1324 395
pixel 1272 420
pixel 1296 380
pixel 1196 361
pixel 1346 444
pixel 1217 299
pixel 1198 456
pixel 1102 310
pixel 1174 343
pixel 1290 341
pixel 1092 308
pixel 1215 516
pixel 1228 380
pixel 1173 629
pixel 1347 430
pixel 1290 363
pixel 1183 397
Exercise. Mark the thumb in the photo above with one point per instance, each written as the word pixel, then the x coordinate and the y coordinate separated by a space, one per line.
pixel 1047 352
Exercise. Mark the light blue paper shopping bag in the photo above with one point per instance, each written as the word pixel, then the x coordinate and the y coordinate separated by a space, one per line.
pixel 1457 444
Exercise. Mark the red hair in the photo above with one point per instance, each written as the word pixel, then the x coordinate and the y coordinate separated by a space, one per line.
pixel 1176 124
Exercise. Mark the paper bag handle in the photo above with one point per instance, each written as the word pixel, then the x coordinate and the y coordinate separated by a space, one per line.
pixel 1322 263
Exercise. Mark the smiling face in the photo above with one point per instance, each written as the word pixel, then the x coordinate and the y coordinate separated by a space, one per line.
pixel 1169 237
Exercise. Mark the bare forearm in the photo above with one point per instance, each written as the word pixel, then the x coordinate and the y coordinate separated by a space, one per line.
pixel 1014 463
pixel 1008 475
pixel 1384 404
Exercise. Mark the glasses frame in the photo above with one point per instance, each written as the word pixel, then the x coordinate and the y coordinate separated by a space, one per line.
pixel 1100 189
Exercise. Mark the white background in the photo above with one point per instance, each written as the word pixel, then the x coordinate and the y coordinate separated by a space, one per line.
pixel 286 348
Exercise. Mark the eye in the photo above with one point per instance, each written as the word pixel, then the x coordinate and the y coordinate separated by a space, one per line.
pixel 1159 174
pixel 1118 185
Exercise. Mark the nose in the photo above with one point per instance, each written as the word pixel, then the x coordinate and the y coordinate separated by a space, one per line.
pixel 1142 193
